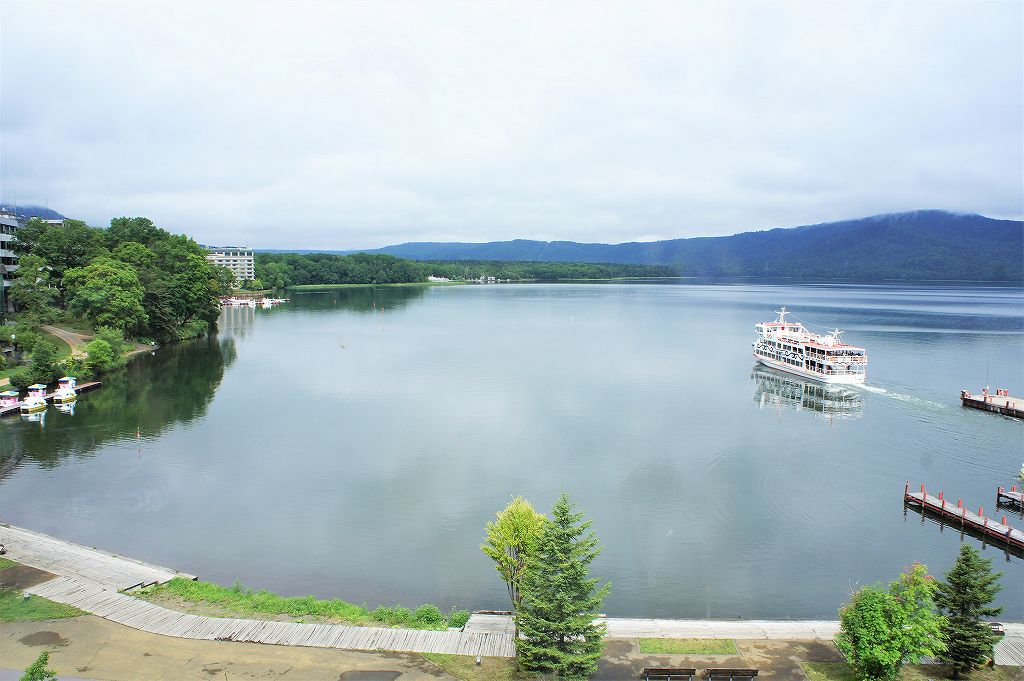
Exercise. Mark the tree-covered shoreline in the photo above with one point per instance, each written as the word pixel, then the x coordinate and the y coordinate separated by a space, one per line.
pixel 282 270
pixel 131 281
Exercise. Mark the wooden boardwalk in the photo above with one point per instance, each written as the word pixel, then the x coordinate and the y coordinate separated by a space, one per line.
pixel 92 580
pixel 74 560
pixel 965 518
pixel 139 614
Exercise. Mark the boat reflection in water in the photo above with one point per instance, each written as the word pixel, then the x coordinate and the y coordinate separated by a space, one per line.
pixel 777 389
pixel 67 407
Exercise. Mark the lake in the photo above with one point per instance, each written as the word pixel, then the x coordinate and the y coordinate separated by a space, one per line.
pixel 352 443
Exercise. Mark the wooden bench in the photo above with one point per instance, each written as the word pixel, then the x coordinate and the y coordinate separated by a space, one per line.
pixel 667 674
pixel 730 674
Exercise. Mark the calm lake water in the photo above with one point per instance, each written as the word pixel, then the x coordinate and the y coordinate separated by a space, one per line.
pixel 353 443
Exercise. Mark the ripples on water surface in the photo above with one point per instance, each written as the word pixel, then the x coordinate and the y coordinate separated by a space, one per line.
pixel 354 442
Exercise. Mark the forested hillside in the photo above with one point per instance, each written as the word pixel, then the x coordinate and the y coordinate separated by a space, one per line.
pixel 918 245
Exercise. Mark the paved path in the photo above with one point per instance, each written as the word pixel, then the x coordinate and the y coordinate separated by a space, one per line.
pixel 1009 651
pixel 77 341
pixel 91 580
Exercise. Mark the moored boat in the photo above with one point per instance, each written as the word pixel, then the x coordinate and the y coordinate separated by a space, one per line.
pixel 9 398
pixel 790 347
pixel 36 400
pixel 65 390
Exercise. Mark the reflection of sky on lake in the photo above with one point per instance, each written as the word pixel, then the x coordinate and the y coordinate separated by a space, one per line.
pixel 358 452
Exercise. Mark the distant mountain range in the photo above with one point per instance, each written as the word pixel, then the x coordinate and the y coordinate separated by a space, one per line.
pixel 925 244
pixel 31 211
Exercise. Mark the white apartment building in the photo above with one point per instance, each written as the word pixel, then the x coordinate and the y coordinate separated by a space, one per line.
pixel 238 259
pixel 8 259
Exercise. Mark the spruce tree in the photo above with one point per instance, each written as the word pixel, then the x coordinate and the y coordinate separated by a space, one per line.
pixel 969 588
pixel 559 599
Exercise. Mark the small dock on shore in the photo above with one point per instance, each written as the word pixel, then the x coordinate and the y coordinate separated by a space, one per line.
pixel 958 514
pixel 80 388
pixel 1000 403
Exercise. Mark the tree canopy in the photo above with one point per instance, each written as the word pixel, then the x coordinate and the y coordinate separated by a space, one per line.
pixel 510 540
pixel 133 276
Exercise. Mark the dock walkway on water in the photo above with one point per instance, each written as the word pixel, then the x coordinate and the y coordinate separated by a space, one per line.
pixel 967 519
pixel 1000 403
pixel 93 581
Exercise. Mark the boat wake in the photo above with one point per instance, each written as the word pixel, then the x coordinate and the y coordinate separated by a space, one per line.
pixel 900 396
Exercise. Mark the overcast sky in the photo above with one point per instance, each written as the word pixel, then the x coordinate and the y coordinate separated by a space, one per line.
pixel 344 125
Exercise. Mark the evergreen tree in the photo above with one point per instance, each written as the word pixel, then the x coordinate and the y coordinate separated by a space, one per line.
pixel 560 600
pixel 969 588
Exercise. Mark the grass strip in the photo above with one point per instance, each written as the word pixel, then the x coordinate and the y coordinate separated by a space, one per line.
pixel 840 671
pixel 241 601
pixel 14 607
pixel 490 669
pixel 688 646
pixel 6 563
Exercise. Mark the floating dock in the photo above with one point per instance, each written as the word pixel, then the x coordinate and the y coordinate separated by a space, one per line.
pixel 1000 403
pixel 1014 496
pixel 966 519
pixel 80 388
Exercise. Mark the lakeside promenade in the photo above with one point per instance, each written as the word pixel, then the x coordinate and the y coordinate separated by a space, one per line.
pixel 92 580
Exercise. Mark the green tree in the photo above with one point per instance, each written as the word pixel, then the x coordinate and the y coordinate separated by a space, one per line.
pixel 223 279
pixel 915 592
pixel 32 290
pixel 966 598
pixel 869 634
pixel 560 599
pixel 99 356
pixel 509 542
pixel 63 246
pixel 37 671
pixel 108 293
pixel 135 254
pixel 44 357
pixel 879 629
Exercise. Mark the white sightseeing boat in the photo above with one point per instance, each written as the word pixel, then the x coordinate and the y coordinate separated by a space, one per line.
pixel 789 346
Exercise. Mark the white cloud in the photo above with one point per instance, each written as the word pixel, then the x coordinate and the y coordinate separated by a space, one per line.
pixel 324 125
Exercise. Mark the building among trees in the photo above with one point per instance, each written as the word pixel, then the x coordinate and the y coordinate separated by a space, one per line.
pixel 238 259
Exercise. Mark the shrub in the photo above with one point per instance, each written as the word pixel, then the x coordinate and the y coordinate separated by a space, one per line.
pixel 114 338
pixel 99 356
pixel 428 614
pixel 3 362
pixel 43 366
pixel 21 379
pixel 458 618
pixel 25 334
pixel 37 671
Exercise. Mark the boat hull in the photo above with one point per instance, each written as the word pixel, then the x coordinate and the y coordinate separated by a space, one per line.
pixel 33 408
pixel 64 399
pixel 847 379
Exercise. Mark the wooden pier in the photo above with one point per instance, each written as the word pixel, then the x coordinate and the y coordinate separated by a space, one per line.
pixel 1014 496
pixel 1000 403
pixel 81 388
pixel 958 514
